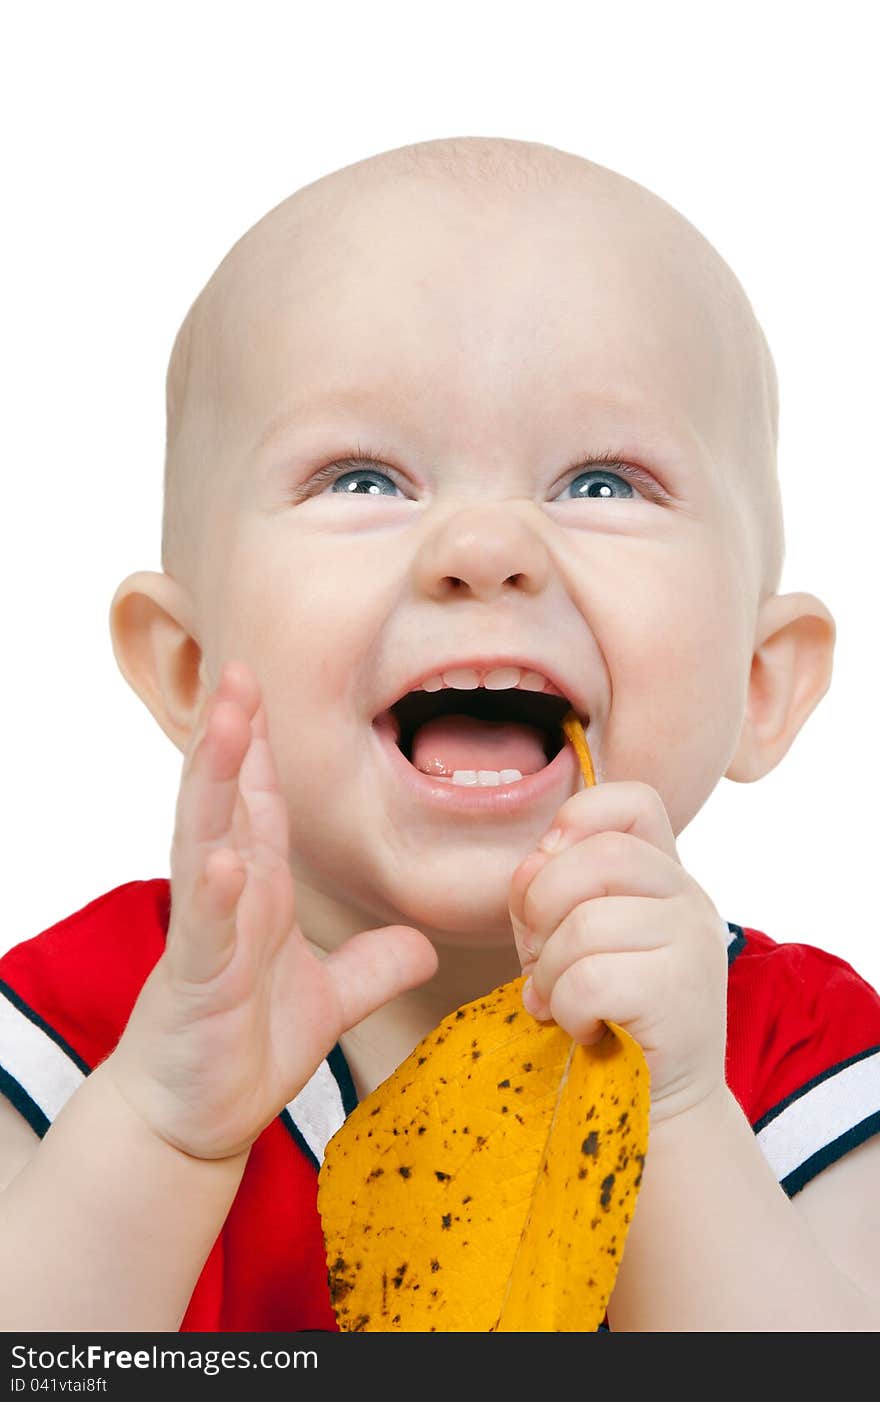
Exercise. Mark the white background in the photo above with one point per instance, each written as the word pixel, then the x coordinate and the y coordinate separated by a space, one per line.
pixel 141 143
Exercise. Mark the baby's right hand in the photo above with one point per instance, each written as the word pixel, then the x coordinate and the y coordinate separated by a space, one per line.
pixel 238 1012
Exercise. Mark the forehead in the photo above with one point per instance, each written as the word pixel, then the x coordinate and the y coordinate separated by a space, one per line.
pixel 501 315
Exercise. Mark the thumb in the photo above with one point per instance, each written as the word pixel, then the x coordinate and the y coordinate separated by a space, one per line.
pixel 522 878
pixel 373 966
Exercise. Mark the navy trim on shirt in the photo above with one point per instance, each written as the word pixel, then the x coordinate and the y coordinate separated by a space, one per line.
pixel 290 1125
pixel 343 1078
pixel 341 1074
pixel 18 1002
pixel 811 1084
pixel 736 945
pixel 16 1093
pixel 829 1154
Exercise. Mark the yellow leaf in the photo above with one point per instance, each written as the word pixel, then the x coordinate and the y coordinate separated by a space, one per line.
pixel 489 1183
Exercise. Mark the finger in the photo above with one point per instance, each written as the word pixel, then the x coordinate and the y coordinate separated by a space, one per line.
pixel 600 989
pixel 206 801
pixel 201 939
pixel 611 925
pixel 623 806
pixel 261 794
pixel 626 807
pixel 375 966
pixel 606 864
pixel 237 685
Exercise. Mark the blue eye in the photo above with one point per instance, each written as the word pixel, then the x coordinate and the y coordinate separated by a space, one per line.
pixel 599 486
pixel 354 486
pixel 362 474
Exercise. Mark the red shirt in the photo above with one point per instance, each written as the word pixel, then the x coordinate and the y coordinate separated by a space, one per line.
pixel 803 1060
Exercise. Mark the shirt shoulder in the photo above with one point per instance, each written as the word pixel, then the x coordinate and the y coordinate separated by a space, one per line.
pixel 803 1052
pixel 67 993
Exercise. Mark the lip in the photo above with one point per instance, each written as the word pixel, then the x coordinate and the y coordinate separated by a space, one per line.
pixel 556 687
pixel 557 779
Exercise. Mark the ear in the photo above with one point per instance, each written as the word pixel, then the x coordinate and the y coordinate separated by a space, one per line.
pixel 152 630
pixel 791 672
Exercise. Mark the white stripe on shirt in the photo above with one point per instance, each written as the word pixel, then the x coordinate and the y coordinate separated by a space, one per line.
pixel 821 1115
pixel 32 1058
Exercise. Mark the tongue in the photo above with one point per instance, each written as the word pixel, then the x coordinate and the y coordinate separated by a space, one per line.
pixel 451 742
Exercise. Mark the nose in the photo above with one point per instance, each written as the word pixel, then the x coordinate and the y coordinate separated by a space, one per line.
pixel 484 551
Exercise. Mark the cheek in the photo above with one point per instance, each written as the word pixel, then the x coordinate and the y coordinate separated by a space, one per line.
pixel 291 609
pixel 679 663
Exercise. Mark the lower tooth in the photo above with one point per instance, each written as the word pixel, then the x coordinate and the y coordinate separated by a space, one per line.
pixel 485 778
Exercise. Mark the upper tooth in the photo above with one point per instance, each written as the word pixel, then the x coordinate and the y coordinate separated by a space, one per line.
pixel 499 679
pixel 464 678
pixel 532 681
pixel 503 677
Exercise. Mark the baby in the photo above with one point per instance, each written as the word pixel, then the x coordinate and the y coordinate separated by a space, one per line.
pixel 459 437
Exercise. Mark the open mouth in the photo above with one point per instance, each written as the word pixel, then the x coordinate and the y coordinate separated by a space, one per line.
pixel 478 731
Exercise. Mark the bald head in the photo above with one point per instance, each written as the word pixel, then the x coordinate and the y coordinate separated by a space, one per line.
pixel 630 230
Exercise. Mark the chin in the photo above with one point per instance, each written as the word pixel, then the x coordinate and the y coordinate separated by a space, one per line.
pixel 473 913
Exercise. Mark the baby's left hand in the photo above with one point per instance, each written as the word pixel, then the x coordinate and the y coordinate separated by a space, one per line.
pixel 610 927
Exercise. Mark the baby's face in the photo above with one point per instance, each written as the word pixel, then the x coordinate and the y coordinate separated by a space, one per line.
pixel 480 358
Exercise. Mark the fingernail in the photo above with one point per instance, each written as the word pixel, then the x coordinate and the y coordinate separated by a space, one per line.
pixel 551 839
pixel 534 1003
pixel 530 998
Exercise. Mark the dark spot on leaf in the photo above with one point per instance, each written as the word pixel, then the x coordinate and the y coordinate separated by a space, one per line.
pixel 502 1085
pixel 404 1171
pixel 435 1264
pixel 446 1221
pixel 376 1173
pixel 605 1197
pixel 441 1177
pixel 510 1017
pixel 591 1144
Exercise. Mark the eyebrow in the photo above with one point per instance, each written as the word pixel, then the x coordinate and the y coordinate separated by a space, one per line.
pixel 340 397
pixel 664 433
